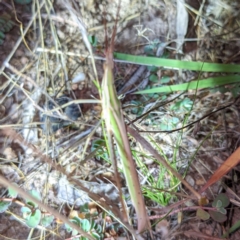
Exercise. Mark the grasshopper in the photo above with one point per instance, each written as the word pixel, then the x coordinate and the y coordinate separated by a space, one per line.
pixel 116 129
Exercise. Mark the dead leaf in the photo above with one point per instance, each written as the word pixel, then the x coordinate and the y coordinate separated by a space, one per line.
pixel 230 163
pixel 163 228
pixel 9 153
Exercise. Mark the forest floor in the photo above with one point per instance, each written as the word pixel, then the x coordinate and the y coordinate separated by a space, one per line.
pixel 44 61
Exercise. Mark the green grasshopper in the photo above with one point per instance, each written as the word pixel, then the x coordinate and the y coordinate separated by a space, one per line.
pixel 115 126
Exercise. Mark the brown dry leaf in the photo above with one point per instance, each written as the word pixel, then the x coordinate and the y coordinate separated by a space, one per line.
pixel 230 163
pixel 163 228
pixel 92 208
pixel 73 214
pixel 9 153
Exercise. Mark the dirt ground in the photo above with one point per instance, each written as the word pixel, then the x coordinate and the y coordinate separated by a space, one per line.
pixel 43 57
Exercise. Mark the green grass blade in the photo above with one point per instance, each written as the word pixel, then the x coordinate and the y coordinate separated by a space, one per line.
pixel 179 64
pixel 235 227
pixel 203 83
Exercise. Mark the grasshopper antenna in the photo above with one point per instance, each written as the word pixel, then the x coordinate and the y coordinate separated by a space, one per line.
pixel 110 48
pixel 115 26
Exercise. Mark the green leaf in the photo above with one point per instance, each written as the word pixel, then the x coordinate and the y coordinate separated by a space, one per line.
pixel 165 79
pixel 26 212
pixel 76 220
pixel 217 216
pixel 31 204
pixel 47 220
pixel 93 40
pixel 165 127
pixel 68 228
pixel 222 210
pixel 149 50
pixel 74 233
pixel 137 108
pixel 174 120
pixel 152 69
pixel 98 228
pixel 4 206
pixel 84 208
pixel 93 224
pixel 86 225
pixel 34 219
pixel 187 103
pixel 182 105
pixel 96 235
pixel 218 204
pixel 223 198
pixel 75 238
pixel 151 94
pixel 84 238
pixel 153 78
pixel 179 64
pixel 96 144
pixel 202 214
pixel 232 229
pixel 12 193
pixel 168 123
pixel 200 84
pixel 35 194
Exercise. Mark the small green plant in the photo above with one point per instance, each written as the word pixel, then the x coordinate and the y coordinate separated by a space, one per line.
pixel 4 205
pixel 86 225
pixel 151 49
pixel 182 106
pixel 168 122
pixel 98 146
pixel 31 212
pixel 47 220
pixel 219 214
pixel 156 46
pixel 159 183
pixel 85 220
pixel 33 216
pixel 93 40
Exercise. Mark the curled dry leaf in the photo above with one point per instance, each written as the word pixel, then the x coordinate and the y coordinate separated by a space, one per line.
pixel 163 228
pixel 9 153
pixel 230 163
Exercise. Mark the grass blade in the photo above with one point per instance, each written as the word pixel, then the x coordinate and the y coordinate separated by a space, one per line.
pixel 179 64
pixel 203 83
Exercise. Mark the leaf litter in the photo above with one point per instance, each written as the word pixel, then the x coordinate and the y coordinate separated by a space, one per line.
pixel 139 25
